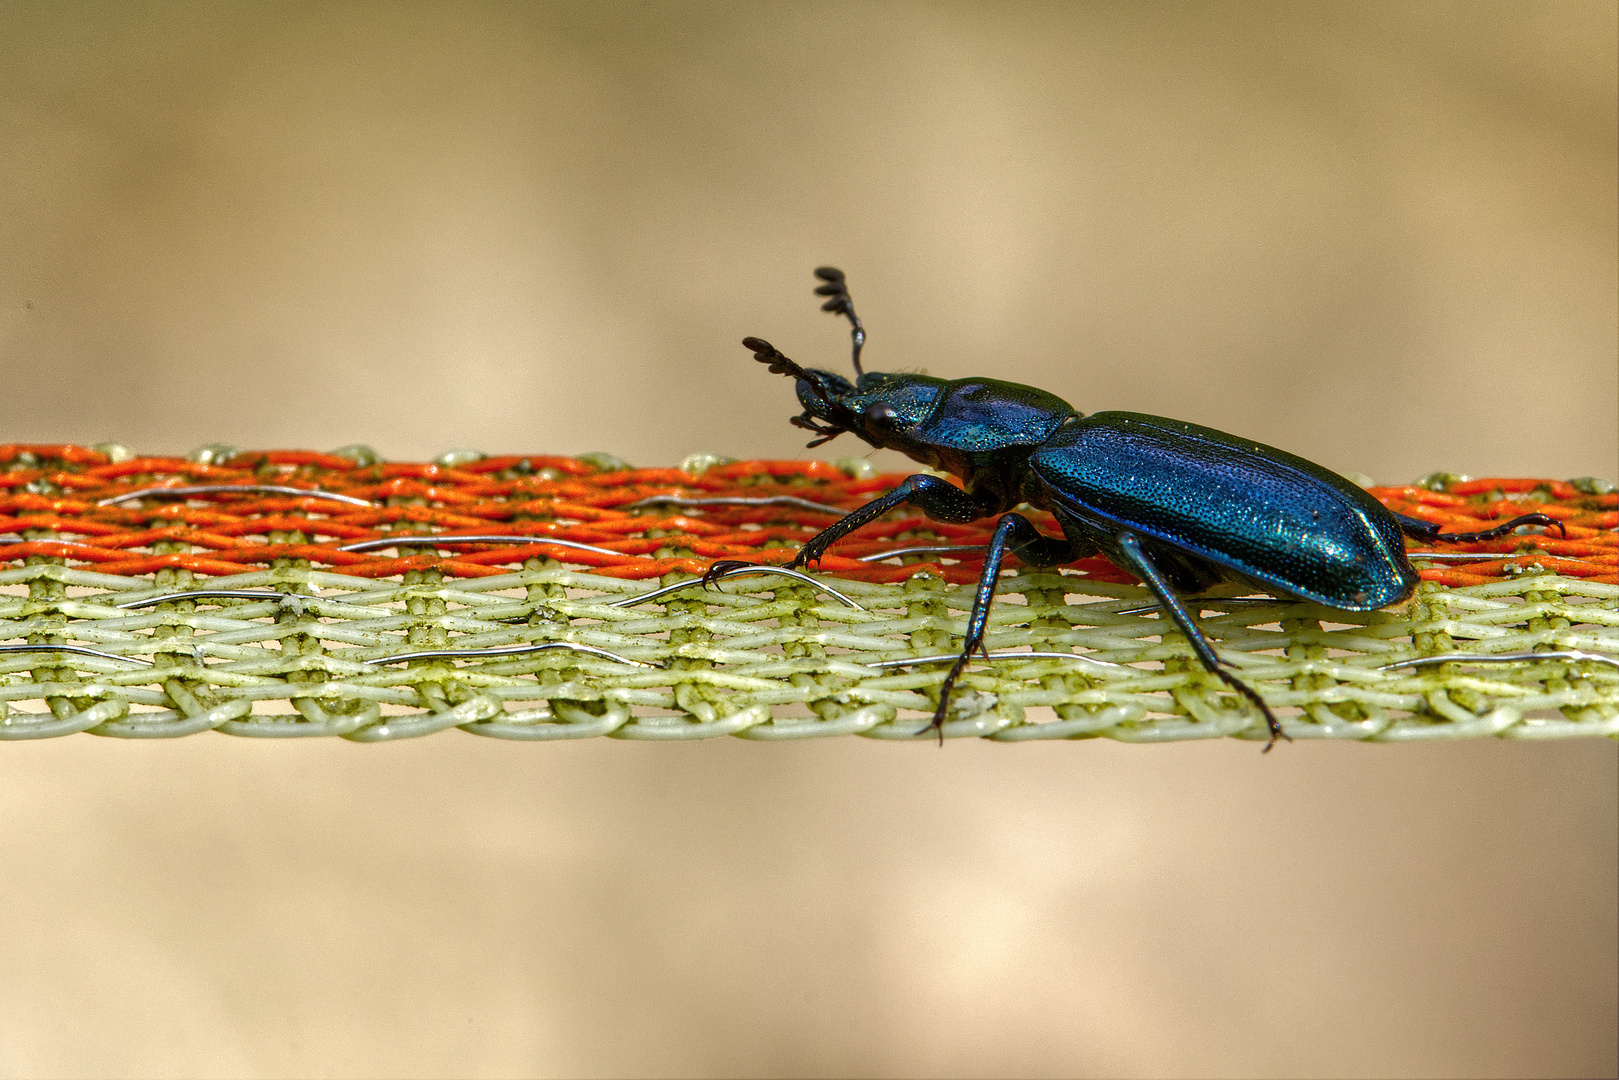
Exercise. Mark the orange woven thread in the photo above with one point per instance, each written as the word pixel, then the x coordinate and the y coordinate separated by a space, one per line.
pixel 49 496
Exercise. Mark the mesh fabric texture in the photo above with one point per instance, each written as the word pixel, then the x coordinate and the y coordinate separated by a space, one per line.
pixel 310 650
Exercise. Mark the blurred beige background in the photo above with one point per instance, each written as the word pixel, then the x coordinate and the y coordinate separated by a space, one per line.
pixel 1382 236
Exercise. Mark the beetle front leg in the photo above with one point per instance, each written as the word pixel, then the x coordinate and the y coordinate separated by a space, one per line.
pixel 938 499
pixel 1030 545
pixel 1137 562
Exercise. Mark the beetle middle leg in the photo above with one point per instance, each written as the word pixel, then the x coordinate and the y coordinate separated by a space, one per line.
pixel 1137 562
pixel 1013 532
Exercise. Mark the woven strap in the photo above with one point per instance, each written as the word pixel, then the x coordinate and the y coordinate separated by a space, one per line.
pixel 552 641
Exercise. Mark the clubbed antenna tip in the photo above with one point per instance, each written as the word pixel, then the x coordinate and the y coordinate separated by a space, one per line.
pixel 766 353
pixel 836 290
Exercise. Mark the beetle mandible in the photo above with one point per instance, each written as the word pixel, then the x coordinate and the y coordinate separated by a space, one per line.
pixel 1178 505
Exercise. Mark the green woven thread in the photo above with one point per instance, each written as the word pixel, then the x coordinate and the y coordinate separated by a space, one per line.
pixel 766 658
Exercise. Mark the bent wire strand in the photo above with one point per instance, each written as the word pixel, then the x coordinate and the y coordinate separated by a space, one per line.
pixel 505 650
pixel 907 661
pixel 1504 658
pixel 171 491
pixel 693 502
pixel 739 571
pixel 213 594
pixel 448 539
pixel 77 650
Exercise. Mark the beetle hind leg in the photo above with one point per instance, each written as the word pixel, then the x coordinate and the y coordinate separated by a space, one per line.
pixel 1137 562
pixel 1428 533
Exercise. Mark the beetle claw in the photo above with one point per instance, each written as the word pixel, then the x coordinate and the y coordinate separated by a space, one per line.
pixel 1252 695
pixel 808 554
pixel 720 569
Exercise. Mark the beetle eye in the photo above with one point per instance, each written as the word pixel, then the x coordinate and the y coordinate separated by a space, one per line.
pixel 882 413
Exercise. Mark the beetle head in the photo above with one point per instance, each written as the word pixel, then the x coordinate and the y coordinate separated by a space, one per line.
pixel 824 396
pixel 879 408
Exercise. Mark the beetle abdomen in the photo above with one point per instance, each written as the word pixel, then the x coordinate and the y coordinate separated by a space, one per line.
pixel 1241 505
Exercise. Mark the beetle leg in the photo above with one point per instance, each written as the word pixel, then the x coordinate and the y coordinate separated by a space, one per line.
pixel 1031 546
pixel 1428 533
pixel 939 499
pixel 1140 565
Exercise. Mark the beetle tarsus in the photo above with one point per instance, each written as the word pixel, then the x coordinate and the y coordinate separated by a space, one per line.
pixel 1136 560
pixel 1252 695
pixel 937 724
pixel 1428 533
pixel 811 552
pixel 1013 533
pixel 720 569
pixel 947 688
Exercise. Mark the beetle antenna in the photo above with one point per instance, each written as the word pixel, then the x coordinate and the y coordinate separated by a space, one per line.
pixel 839 303
pixel 781 364
pixel 766 353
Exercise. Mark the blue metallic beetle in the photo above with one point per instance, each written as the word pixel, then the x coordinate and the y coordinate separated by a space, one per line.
pixel 1178 505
